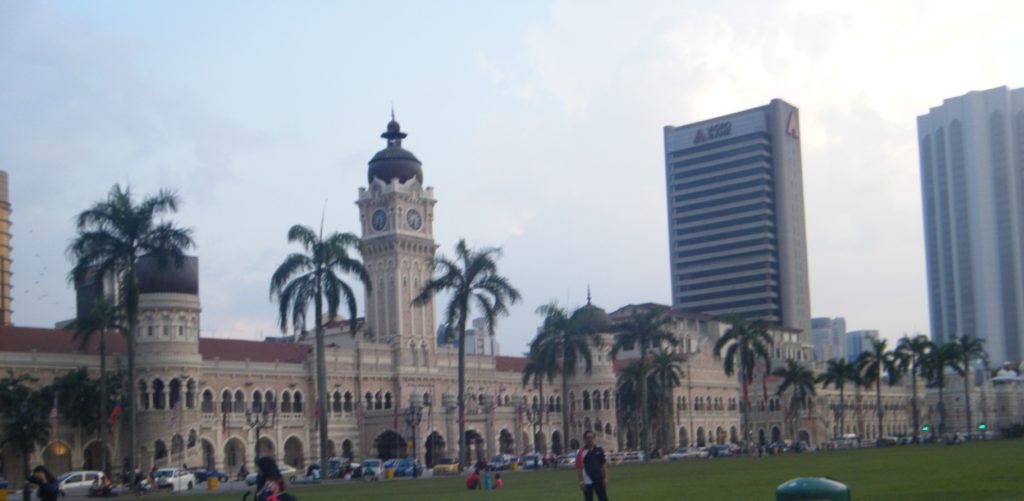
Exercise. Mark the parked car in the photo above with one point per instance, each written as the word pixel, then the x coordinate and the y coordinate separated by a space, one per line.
pixel 634 457
pixel 202 473
pixel 77 483
pixel 447 466
pixel 687 453
pixel 719 451
pixel 407 468
pixel 567 461
pixel 175 479
pixel 372 469
pixel 502 462
pixel 336 467
pixel 287 473
pixel 616 458
pixel 531 461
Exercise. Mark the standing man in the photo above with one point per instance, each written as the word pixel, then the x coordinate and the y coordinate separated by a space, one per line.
pixel 592 469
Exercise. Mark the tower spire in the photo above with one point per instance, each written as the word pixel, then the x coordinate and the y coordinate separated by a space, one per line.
pixel 588 294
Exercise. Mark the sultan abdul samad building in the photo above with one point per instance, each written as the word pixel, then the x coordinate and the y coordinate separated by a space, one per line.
pixel 192 392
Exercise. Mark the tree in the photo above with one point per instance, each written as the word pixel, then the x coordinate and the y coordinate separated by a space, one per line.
pixel 540 365
pixel 666 374
pixel 940 356
pixel 102 317
pixel 911 354
pixel 800 380
pixel 628 401
pixel 746 343
pixel 644 332
pixel 968 349
pixel 472 279
pixel 566 338
pixel 837 373
pixel 313 277
pixel 112 235
pixel 870 365
pixel 24 412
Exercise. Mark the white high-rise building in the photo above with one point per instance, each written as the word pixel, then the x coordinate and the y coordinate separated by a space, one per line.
pixel 828 336
pixel 972 184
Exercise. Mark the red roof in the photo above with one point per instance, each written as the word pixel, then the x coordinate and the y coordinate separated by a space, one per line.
pixel 27 339
pixel 510 364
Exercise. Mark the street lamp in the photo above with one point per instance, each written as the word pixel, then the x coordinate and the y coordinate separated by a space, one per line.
pixel 413 418
pixel 259 417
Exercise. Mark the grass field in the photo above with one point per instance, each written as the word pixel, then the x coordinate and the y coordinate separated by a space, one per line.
pixel 975 471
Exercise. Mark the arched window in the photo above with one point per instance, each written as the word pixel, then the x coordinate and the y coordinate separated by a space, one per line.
pixel 158 394
pixel 257 401
pixel 597 400
pixel 378 401
pixel 336 403
pixel 190 394
pixel 426 399
pixel 586 401
pixel 558 404
pixel 348 401
pixel 207 405
pixel 551 404
pixel 225 401
pixel 297 402
pixel 286 402
pixel 143 396
pixel 369 400
pixel 268 399
pixel 239 403
pixel 607 399
pixel 387 400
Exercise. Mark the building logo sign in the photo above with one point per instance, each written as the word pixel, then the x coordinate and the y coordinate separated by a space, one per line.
pixel 716 131
pixel 793 125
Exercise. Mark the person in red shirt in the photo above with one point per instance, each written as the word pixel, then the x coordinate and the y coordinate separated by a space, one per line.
pixel 497 481
pixel 473 481
pixel 592 469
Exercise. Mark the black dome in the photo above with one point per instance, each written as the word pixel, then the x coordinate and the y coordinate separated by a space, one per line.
pixel 592 318
pixel 183 279
pixel 394 162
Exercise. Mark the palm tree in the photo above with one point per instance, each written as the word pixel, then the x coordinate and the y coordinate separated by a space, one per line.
pixel 102 317
pixel 564 337
pixel 666 374
pixel 24 413
pixel 911 353
pixel 939 357
pixel 969 349
pixel 313 277
pixel 837 373
pixel 112 235
pixel 472 279
pixel 540 365
pixel 801 380
pixel 871 364
pixel 643 332
pixel 628 402
pixel 745 343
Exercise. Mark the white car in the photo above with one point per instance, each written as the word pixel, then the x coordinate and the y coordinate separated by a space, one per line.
pixel 567 461
pixel 687 453
pixel 287 473
pixel 175 479
pixel 634 457
pixel 77 483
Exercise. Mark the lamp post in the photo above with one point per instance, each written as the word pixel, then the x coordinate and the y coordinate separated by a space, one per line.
pixel 259 417
pixel 413 418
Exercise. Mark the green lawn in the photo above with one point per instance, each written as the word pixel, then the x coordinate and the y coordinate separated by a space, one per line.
pixel 976 471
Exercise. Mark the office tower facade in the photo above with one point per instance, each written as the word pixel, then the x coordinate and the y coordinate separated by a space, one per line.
pixel 858 342
pixel 972 185
pixel 5 252
pixel 737 240
pixel 828 337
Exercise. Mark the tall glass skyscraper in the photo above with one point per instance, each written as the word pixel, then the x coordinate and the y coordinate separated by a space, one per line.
pixel 972 186
pixel 736 216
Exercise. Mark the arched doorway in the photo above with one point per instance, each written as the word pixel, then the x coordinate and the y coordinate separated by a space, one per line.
pixel 346 449
pixel 719 435
pixel 760 437
pixel 209 461
pixel 804 436
pixel 159 454
pixel 732 435
pixel 506 442
pixel 776 434
pixel 556 442
pixel 234 455
pixel 540 443
pixel 389 445
pixel 94 455
pixel 266 448
pixel 701 438
pixel 293 453
pixel 433 448
pixel 57 458
pixel 475 445
pixel 684 438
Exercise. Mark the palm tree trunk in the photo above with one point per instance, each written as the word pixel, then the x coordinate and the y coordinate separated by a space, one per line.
pixel 644 427
pixel 103 403
pixel 463 446
pixel 131 300
pixel 942 408
pixel 565 404
pixel 913 400
pixel 321 377
pixel 878 407
pixel 542 411
pixel 967 395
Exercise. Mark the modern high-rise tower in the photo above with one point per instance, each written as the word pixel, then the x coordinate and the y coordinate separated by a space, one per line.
pixel 736 216
pixel 972 185
pixel 5 252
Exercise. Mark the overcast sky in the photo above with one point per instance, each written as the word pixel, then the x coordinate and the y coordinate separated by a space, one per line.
pixel 539 125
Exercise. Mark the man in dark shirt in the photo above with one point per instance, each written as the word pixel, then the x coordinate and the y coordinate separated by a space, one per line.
pixel 592 469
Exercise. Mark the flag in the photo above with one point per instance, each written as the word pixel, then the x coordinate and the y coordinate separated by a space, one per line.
pixel 174 413
pixel 114 413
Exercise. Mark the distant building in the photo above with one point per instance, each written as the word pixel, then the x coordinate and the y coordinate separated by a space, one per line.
pixel 829 338
pixel 858 342
pixel 479 340
pixel 737 240
pixel 972 182
pixel 5 252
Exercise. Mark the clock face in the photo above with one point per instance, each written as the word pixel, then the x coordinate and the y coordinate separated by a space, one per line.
pixel 414 219
pixel 379 220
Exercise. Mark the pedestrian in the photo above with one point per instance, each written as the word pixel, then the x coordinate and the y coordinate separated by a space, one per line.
pixel 473 481
pixel 49 488
pixel 592 469
pixel 497 481
pixel 269 482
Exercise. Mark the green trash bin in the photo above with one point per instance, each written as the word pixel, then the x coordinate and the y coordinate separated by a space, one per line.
pixel 812 488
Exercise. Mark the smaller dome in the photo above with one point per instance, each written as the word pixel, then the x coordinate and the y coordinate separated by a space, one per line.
pixel 393 126
pixel 592 318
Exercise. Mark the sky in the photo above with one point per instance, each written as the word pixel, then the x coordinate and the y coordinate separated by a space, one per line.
pixel 539 124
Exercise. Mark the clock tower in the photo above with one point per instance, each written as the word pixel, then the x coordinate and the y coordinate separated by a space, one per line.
pixel 397 216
